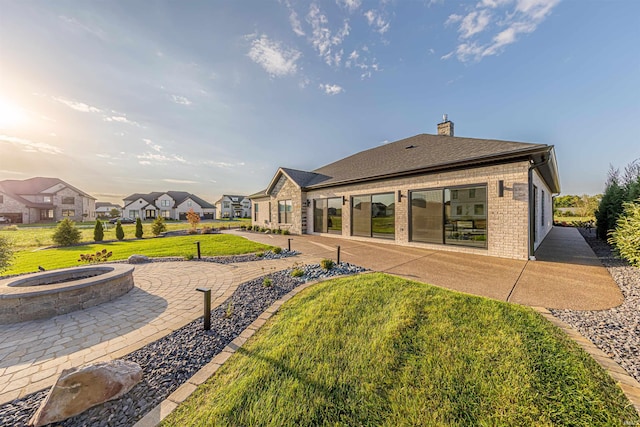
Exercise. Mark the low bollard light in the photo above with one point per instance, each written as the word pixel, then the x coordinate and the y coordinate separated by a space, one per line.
pixel 207 307
pixel 338 262
pixel 198 245
pixel 289 244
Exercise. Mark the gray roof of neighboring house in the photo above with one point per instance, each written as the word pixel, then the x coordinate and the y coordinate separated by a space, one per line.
pixel 32 186
pixel 231 197
pixel 106 205
pixel 422 153
pixel 177 196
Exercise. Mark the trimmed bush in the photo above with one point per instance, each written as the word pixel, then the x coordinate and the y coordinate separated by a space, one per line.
pixel 286 232
pixel 139 231
pixel 98 232
pixel 297 272
pixel 626 237
pixel 277 250
pixel 327 264
pixel 66 233
pixel 119 231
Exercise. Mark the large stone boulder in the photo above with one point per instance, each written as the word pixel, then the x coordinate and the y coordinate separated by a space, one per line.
pixel 138 259
pixel 78 389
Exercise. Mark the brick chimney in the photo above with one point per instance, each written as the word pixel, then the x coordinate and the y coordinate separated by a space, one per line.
pixel 446 127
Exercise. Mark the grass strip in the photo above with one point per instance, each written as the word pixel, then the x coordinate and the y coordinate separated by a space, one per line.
pixel 380 350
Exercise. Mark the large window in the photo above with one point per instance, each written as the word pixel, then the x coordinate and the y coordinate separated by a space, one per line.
pixel 68 200
pixel 134 214
pixel 451 216
pixel 374 215
pixel 426 216
pixel 255 211
pixel 46 199
pixel 166 214
pixel 327 215
pixel 285 209
pixel 165 203
pixel 150 213
pixel 46 214
pixel 68 212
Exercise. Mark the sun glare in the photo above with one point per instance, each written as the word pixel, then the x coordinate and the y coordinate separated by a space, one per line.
pixel 11 115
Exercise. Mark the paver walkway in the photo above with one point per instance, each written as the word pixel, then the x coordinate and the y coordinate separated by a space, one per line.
pixel 32 354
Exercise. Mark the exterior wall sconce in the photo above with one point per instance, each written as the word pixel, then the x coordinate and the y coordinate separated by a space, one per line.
pixel 344 200
pixel 501 188
pixel 308 203
pixel 400 196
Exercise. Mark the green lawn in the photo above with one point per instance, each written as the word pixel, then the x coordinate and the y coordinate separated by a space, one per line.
pixel 32 236
pixel 182 246
pixel 380 350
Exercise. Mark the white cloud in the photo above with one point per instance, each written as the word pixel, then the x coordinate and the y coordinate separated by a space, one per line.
pixel 179 181
pixel 362 62
pixel 78 106
pixel 150 144
pixel 322 38
pixel 182 100
pixel 276 60
pixel 296 25
pixel 351 5
pixel 146 158
pixel 377 20
pixel 331 89
pixel 121 119
pixel 474 23
pixel 30 146
pixel 224 165
pixel 76 26
pixel 501 22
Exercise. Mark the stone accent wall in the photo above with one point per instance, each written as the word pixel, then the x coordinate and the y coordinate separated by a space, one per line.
pixel 507 217
pixel 80 206
pixel 287 190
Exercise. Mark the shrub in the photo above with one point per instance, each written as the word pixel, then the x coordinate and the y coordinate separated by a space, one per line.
pixel 229 310
pixel 98 232
pixel 192 231
pixel 189 257
pixel 6 253
pixel 267 282
pixel 327 264
pixel 66 233
pixel 277 250
pixel 193 218
pixel 243 227
pixel 11 228
pixel 100 256
pixel 286 232
pixel 297 272
pixel 259 254
pixel 158 226
pixel 119 231
pixel 208 230
pixel 139 231
pixel 626 237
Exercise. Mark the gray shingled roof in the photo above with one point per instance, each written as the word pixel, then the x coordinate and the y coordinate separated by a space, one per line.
pixel 417 153
pixel 177 196
pixel 32 186
pixel 422 153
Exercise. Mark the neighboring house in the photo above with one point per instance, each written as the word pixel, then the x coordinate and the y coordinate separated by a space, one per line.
pixel 44 200
pixel 229 206
pixel 440 192
pixel 169 205
pixel 103 209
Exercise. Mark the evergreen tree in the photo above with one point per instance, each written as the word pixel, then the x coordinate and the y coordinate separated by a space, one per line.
pixel 158 226
pixel 98 232
pixel 139 231
pixel 6 252
pixel 119 231
pixel 66 233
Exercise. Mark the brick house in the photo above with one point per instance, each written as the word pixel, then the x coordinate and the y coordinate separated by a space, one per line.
pixel 44 200
pixel 169 205
pixel 440 192
pixel 103 209
pixel 229 206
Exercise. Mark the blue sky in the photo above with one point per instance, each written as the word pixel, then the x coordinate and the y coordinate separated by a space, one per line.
pixel 212 97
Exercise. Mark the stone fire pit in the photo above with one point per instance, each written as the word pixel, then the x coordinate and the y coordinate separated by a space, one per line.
pixel 50 293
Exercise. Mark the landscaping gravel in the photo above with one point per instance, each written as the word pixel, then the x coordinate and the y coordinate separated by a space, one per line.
pixel 615 331
pixel 172 360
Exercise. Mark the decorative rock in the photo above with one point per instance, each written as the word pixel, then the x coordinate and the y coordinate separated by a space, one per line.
pixel 138 259
pixel 78 389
